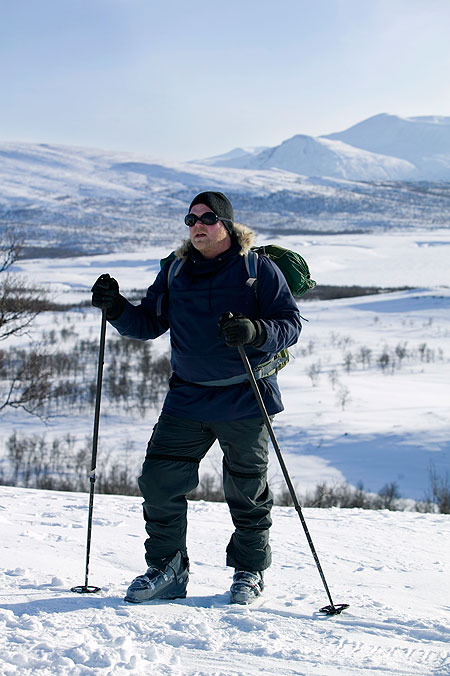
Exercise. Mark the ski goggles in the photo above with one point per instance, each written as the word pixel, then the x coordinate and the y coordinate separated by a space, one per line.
pixel 208 218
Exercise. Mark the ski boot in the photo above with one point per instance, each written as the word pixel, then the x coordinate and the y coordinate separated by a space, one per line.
pixel 246 587
pixel 169 582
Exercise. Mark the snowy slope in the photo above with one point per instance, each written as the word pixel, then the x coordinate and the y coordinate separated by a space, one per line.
pixel 390 567
pixel 422 141
pixel 79 200
pixel 311 156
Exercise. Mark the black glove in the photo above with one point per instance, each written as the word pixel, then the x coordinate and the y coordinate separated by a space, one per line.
pixel 105 294
pixel 239 330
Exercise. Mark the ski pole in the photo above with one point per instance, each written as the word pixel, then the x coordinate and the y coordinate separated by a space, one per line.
pixel 332 609
pixel 85 588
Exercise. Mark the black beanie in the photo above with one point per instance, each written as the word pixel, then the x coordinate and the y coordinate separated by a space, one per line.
pixel 218 203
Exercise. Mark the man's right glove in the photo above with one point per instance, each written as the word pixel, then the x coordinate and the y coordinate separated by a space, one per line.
pixel 239 330
pixel 105 294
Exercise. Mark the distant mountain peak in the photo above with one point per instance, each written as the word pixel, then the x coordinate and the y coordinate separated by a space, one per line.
pixel 382 147
pixel 231 155
pixel 424 141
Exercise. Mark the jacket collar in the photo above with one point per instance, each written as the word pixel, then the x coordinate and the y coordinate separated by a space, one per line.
pixel 243 235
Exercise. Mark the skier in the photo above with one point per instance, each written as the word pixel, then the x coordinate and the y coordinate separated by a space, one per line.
pixel 209 393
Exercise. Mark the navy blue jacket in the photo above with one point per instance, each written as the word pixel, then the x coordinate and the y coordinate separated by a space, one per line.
pixel 202 291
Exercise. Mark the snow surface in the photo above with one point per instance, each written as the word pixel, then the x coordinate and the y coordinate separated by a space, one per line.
pixel 393 259
pixel 392 568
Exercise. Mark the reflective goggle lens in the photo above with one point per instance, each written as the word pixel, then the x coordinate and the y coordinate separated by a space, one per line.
pixel 209 218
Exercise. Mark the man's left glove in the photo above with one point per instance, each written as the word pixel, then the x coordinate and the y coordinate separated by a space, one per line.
pixel 105 294
pixel 239 330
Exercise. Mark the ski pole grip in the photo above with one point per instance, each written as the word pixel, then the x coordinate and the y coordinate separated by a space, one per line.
pixel 224 318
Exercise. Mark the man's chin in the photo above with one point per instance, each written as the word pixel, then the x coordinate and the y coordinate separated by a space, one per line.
pixel 201 243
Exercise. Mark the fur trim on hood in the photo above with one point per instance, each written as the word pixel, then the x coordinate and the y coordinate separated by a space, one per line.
pixel 244 235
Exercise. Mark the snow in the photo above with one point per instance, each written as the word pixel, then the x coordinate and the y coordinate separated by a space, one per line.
pixel 383 147
pixel 80 200
pixel 423 141
pixel 393 259
pixel 394 426
pixel 352 424
pixel 235 153
pixel 396 423
pixel 392 568
pixel 311 156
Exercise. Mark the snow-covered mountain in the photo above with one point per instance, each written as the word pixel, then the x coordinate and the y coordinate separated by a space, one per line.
pixel 233 155
pixel 311 156
pixel 383 147
pixel 88 200
pixel 422 141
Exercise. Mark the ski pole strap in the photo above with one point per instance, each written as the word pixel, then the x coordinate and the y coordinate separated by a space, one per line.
pixel 262 371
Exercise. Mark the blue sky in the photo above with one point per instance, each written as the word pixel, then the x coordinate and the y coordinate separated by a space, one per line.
pixel 180 80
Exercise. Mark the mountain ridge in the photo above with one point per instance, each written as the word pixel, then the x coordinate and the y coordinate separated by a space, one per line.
pixel 382 147
pixel 71 199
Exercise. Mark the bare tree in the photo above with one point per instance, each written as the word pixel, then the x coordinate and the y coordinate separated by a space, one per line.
pixel 440 489
pixel 389 494
pixel 343 396
pixel 20 302
pixel 24 380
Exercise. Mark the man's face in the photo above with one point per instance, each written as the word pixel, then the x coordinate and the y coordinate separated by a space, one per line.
pixel 210 240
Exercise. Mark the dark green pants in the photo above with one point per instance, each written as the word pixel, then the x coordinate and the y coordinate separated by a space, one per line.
pixel 170 471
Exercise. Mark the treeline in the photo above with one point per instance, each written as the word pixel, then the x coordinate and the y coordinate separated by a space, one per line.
pixel 43 380
pixel 329 292
pixel 345 496
pixel 62 464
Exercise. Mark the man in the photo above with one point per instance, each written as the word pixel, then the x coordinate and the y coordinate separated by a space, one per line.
pixel 210 396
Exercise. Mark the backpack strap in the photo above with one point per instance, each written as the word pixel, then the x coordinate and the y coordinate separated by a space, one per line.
pixel 251 263
pixel 263 370
pixel 174 268
pixel 266 369
pixel 269 368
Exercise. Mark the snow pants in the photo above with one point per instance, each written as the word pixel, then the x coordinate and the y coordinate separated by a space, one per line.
pixel 170 471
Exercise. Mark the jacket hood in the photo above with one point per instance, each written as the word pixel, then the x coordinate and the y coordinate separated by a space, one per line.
pixel 245 238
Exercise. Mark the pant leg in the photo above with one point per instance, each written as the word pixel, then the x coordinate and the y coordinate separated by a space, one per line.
pixel 169 472
pixel 245 448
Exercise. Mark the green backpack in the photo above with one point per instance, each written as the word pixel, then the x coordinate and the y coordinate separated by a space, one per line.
pixel 292 265
pixel 296 272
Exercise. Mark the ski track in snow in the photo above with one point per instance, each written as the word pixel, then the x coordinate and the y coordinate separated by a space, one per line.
pixel 390 567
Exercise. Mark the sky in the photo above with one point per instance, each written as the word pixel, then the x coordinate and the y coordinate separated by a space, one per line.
pixel 183 80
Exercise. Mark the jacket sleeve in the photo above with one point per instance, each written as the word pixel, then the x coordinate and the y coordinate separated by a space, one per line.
pixel 278 313
pixel 148 319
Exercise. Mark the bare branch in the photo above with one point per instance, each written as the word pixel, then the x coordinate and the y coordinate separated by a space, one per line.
pixel 11 245
pixel 29 387
pixel 20 302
